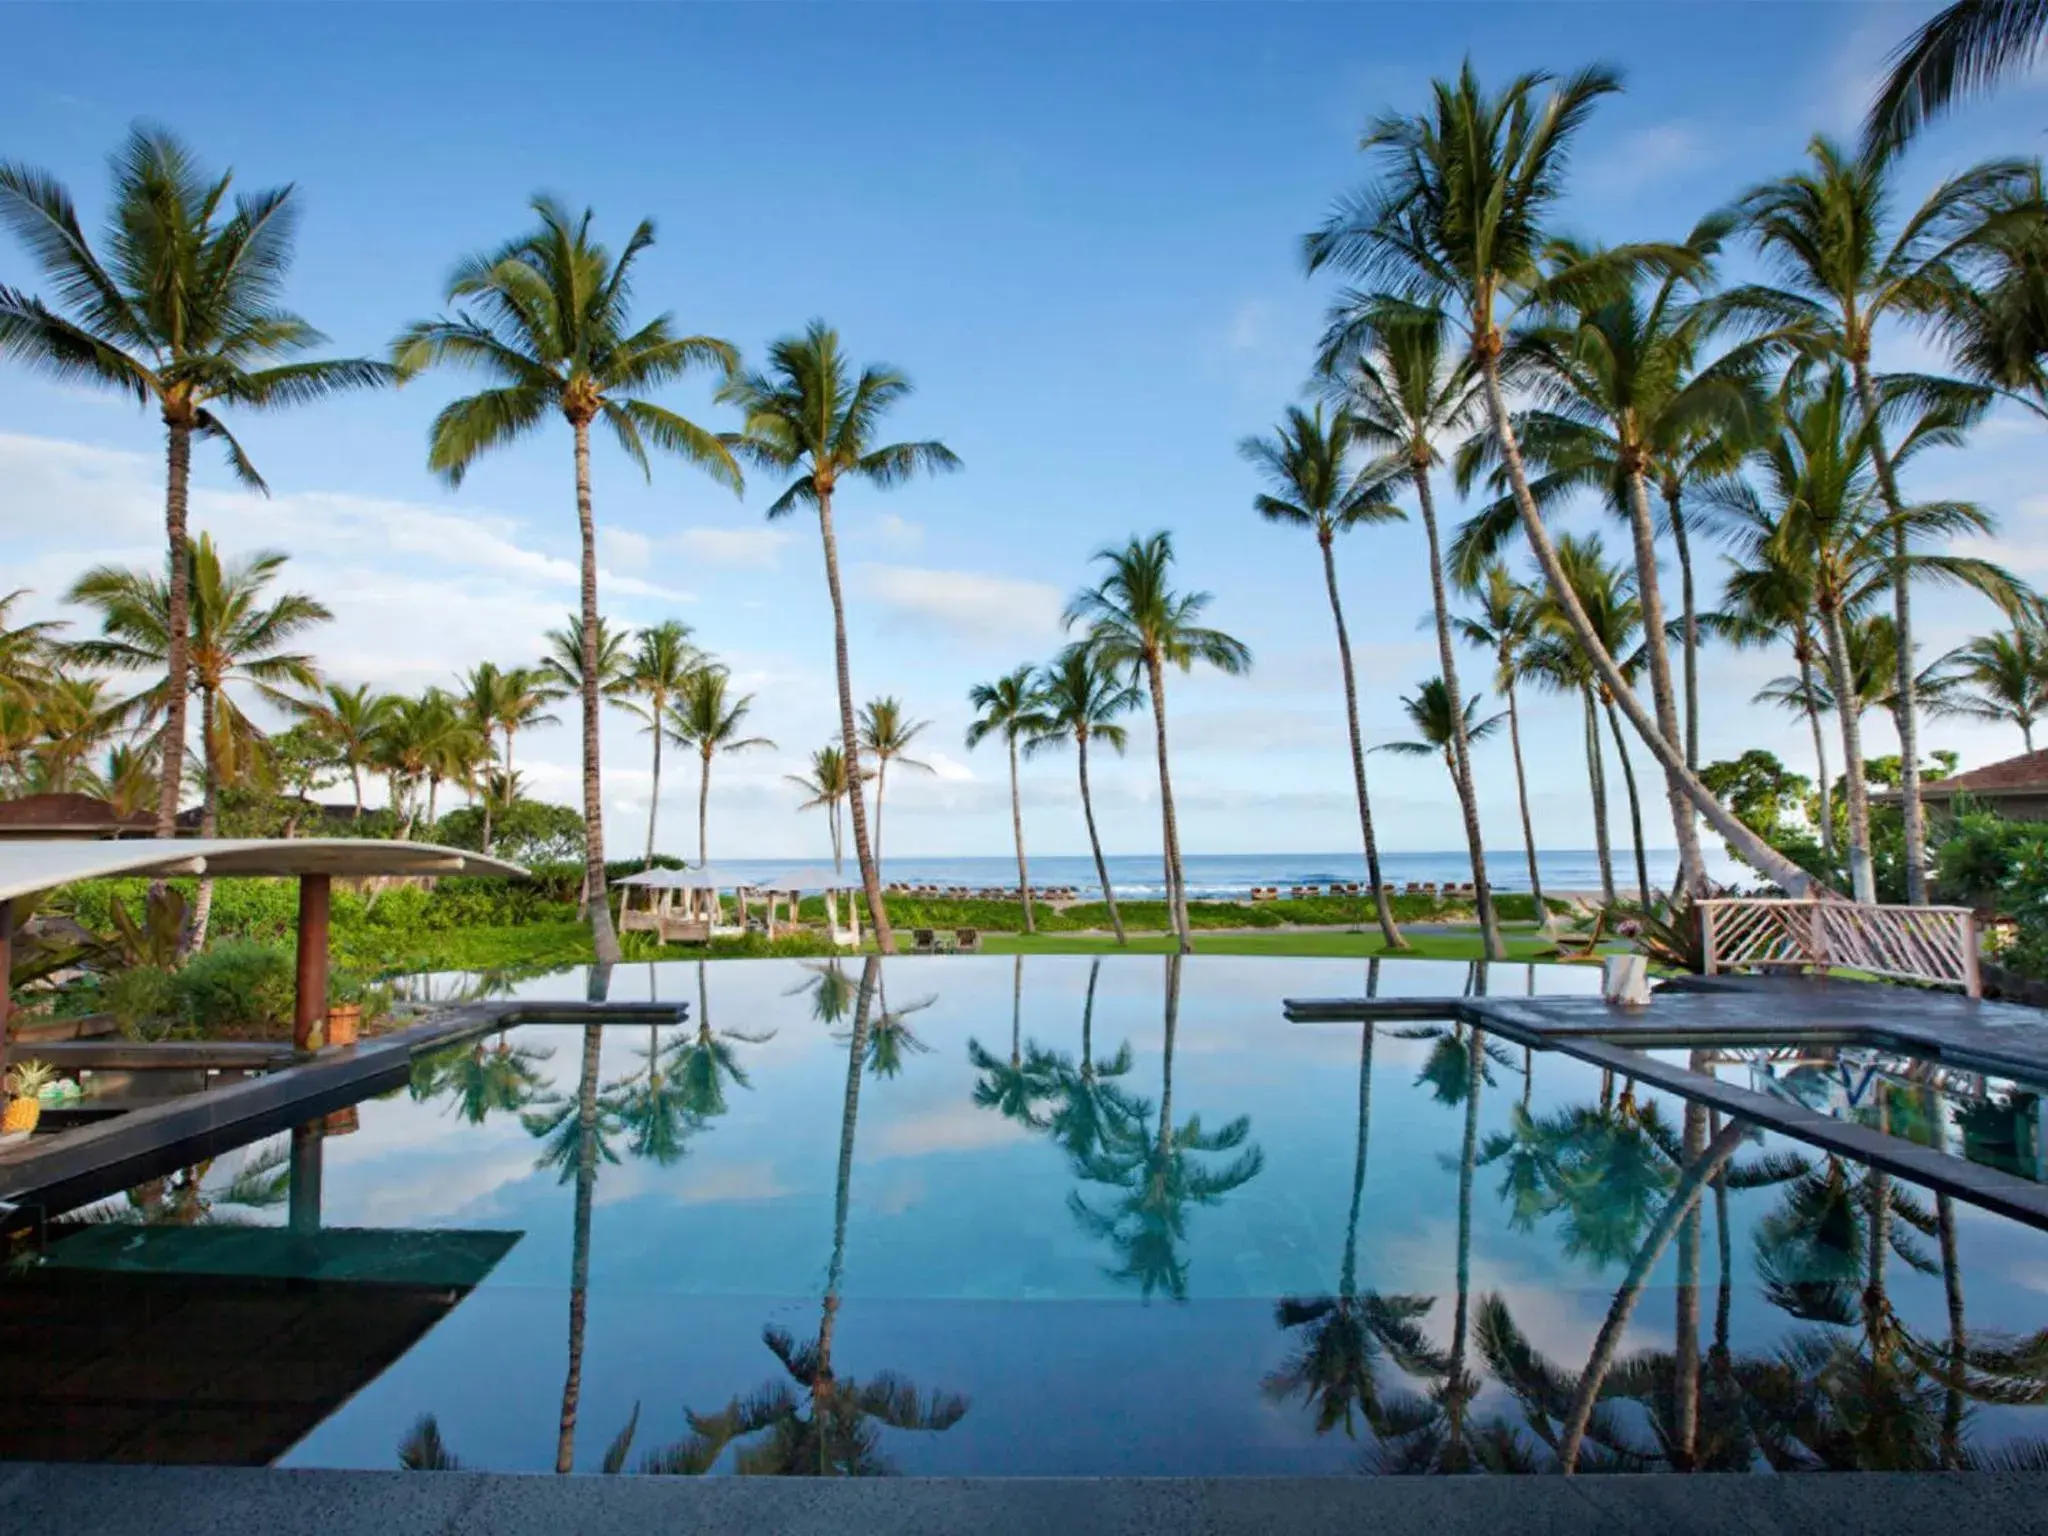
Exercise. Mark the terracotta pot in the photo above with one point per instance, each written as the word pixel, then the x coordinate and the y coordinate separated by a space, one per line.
pixel 343 1020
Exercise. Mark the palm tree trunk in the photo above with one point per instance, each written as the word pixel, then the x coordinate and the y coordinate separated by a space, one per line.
pixel 1171 1029
pixel 604 941
pixel 1347 1276
pixel 1635 806
pixel 1691 619
pixel 838 839
pixel 842 1186
pixel 1820 751
pixel 178 620
pixel 1952 1289
pixel 1116 919
pixel 704 811
pixel 433 799
pixel 1663 695
pixel 1489 925
pixel 1522 796
pixel 1774 865
pixel 1686 1321
pixel 1382 908
pixel 1908 706
pixel 579 1248
pixel 1461 1387
pixel 881 785
pixel 1862 880
pixel 654 795
pixel 1017 828
pixel 870 880
pixel 209 821
pixel 1596 777
pixel 1176 896
pixel 355 772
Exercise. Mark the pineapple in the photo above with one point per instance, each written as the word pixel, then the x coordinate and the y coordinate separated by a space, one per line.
pixel 24 1105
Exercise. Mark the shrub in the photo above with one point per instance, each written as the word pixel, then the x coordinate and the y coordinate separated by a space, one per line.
pixel 144 1001
pixel 1980 854
pixel 239 983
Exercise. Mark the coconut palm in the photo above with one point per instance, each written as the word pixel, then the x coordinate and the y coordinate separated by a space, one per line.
pixel 1458 222
pixel 349 720
pixel 185 317
pixel 809 415
pixel 1088 1102
pixel 886 733
pixel 1013 1088
pixel 705 1061
pixel 1845 268
pixel 75 719
pixel 829 786
pixel 1312 486
pixel 1137 623
pixel 663 662
pixel 1429 711
pixel 1963 50
pixel 1010 707
pixel 1993 315
pixel 516 700
pixel 1083 700
pixel 705 717
pixel 546 317
pixel 2001 677
pixel 1406 394
pixel 238 638
pixel 1505 625
pixel 480 1080
pixel 27 650
pixel 561 663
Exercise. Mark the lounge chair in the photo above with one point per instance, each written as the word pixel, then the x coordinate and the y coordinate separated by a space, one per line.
pixel 967 940
pixel 1581 949
pixel 923 941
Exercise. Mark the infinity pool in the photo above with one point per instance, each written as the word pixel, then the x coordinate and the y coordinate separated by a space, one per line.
pixel 1050 1216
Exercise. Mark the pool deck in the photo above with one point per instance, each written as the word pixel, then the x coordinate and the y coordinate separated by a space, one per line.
pixel 2002 1039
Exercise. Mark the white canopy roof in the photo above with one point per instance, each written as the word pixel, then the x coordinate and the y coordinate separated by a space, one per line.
pixel 28 865
pixel 816 878
pixel 713 878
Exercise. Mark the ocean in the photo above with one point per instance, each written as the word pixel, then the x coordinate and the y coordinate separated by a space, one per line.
pixel 1138 876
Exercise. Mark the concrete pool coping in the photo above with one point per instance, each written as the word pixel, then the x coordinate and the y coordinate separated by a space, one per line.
pixel 186 1501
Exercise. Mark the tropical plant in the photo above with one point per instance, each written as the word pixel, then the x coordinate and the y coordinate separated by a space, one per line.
pixel 561 663
pixel 1137 623
pixel 706 718
pixel 1429 711
pixel 27 651
pixel 2001 677
pixel 185 317
pixel 547 317
pixel 351 719
pixel 829 786
pixel 1963 50
pixel 1505 624
pixel 808 415
pixel 663 663
pixel 885 735
pixel 1082 699
pixel 1312 486
pixel 1010 707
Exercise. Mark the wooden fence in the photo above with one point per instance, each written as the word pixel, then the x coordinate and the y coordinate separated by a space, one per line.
pixel 1932 944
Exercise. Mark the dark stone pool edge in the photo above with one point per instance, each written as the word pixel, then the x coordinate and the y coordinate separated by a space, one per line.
pixel 185 1501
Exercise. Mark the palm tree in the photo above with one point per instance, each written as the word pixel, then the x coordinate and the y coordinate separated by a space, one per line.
pixel 704 717
pixel 1082 699
pixel 704 1062
pixel 517 700
pixel 1458 222
pixel 1010 707
pixel 1405 395
pixel 27 650
pixel 1993 318
pixel 561 663
pixel 349 719
pixel 1963 50
pixel 1136 622
pixel 885 735
pixel 547 317
pixel 74 720
pixel 2001 677
pixel 480 1080
pixel 1429 711
pixel 663 662
pixel 829 786
pixel 187 319
pixel 1013 1089
pixel 1505 625
pixel 810 416
pixel 1311 486
pixel 1846 270
pixel 237 638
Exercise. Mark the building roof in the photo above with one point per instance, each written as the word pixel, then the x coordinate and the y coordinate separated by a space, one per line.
pixel 28 865
pixel 2027 773
pixel 65 815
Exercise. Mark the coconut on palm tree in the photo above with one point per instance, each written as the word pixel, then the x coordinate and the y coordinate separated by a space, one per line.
pixel 808 414
pixel 1010 707
pixel 183 316
pixel 1313 486
pixel 2001 678
pixel 662 663
pixel 886 733
pixel 1082 699
pixel 547 317
pixel 706 717
pixel 1139 625
pixel 1458 222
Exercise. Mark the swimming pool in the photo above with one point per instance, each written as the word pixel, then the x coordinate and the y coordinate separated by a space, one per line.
pixel 1051 1216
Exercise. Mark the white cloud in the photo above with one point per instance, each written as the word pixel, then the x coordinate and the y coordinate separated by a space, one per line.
pixel 734 546
pixel 971 605
pixel 949 770
pixel 893 528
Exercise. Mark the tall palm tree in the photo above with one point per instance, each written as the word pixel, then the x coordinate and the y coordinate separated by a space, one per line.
pixel 520 702
pixel 1963 50
pixel 27 650
pixel 1429 711
pixel 1406 394
pixel 1505 624
pixel 1845 269
pixel 886 733
pixel 561 663
pixel 2001 677
pixel 1458 221
pixel 706 718
pixel 547 317
pixel 1312 486
pixel 663 662
pixel 1010 707
pixel 1993 319
pixel 705 1061
pixel 1083 699
pixel 238 637
pixel 185 316
pixel 1136 622
pixel 74 720
pixel 829 786
pixel 809 415
pixel 349 720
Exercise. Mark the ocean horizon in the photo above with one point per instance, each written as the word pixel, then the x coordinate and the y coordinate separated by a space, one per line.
pixel 1213 875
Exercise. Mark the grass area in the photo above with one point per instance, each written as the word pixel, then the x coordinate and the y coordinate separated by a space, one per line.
pixel 1296 942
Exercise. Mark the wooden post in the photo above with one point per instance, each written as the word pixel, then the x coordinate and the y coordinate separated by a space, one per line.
pixel 771 915
pixel 853 916
pixel 1816 943
pixel 6 976
pixel 310 1007
pixel 1707 935
pixel 1973 974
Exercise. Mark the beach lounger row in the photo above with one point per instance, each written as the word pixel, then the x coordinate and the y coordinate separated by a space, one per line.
pixel 1049 893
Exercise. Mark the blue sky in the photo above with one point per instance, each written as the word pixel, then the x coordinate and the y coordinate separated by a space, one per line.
pixel 1074 227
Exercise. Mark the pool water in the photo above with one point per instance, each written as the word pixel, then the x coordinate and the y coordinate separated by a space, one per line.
pixel 1073 1216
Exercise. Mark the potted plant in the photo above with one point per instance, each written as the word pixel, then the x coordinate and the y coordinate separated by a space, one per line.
pixel 344 1010
pixel 25 1085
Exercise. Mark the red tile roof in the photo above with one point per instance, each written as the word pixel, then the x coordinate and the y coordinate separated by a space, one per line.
pixel 77 815
pixel 2028 771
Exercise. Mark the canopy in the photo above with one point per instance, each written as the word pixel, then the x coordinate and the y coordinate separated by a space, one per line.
pixel 704 878
pixel 815 878
pixel 28 865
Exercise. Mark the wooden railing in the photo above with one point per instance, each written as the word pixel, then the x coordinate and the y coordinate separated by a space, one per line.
pixel 1932 944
